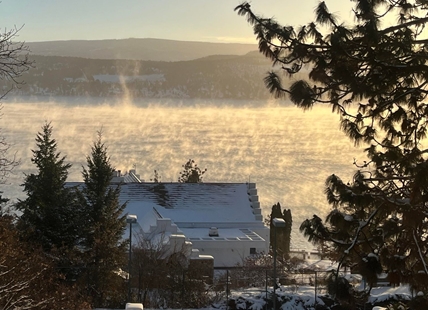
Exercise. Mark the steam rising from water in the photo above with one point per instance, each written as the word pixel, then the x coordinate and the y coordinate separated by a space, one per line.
pixel 287 152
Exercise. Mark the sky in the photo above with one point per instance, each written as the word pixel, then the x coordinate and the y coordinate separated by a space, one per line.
pixel 186 20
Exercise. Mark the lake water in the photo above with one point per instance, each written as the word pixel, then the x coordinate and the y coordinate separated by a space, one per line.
pixel 288 153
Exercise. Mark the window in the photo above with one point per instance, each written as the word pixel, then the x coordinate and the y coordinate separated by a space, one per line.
pixel 253 251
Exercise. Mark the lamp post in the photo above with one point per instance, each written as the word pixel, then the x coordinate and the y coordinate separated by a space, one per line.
pixel 130 219
pixel 277 222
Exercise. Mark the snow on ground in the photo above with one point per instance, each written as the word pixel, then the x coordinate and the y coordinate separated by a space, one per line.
pixel 379 294
pixel 298 298
pixel 303 297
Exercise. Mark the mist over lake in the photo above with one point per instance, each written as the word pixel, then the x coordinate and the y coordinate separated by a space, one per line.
pixel 287 152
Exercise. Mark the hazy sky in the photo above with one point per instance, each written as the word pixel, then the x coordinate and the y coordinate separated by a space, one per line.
pixel 190 20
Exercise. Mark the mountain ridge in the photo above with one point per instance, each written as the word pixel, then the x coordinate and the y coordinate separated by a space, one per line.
pixel 150 49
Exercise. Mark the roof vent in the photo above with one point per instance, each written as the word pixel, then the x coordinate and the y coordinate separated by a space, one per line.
pixel 213 232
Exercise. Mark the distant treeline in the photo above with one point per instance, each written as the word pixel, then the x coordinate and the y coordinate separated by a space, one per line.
pixel 213 77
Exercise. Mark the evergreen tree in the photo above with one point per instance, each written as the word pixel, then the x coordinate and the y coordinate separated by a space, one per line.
pixel 286 215
pixel 105 249
pixel 375 77
pixel 49 215
pixel 191 173
pixel 283 234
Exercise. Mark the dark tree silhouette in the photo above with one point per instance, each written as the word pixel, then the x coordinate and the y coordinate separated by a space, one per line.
pixel 50 216
pixel 156 177
pixel 105 224
pixel 14 59
pixel 375 78
pixel 191 173
pixel 283 233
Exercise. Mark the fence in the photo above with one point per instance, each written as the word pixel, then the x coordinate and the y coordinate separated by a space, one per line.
pixel 261 280
pixel 184 291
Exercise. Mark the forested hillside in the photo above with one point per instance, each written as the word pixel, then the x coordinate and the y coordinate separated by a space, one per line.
pixel 213 77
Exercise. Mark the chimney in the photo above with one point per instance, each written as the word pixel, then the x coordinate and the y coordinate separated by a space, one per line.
pixel 213 232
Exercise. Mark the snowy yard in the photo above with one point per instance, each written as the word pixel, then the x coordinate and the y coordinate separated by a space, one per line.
pixel 298 298
pixel 301 298
pixel 300 295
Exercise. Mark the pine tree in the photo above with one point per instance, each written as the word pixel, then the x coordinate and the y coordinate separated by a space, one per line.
pixel 375 77
pixel 49 215
pixel 105 249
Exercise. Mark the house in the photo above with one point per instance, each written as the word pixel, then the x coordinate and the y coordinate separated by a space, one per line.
pixel 220 221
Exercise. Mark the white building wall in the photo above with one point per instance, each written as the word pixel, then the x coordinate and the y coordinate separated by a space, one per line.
pixel 228 253
pixel 264 233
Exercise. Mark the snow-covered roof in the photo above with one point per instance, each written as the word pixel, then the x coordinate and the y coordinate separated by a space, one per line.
pixel 191 211
pixel 190 204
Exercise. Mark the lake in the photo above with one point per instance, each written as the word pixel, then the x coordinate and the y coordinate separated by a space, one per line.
pixel 287 152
